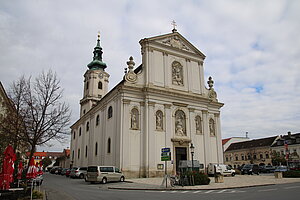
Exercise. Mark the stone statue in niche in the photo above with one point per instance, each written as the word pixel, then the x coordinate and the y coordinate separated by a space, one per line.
pixel 134 119
pixel 177 73
pixel 159 120
pixel 212 127
pixel 198 124
pixel 180 123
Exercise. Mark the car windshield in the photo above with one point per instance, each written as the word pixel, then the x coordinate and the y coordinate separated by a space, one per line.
pixel 247 166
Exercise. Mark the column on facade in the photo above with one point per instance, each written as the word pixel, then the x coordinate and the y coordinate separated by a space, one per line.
pixel 219 138
pixel 189 74
pixel 151 139
pixel 206 137
pixel 166 69
pixel 201 75
pixel 125 151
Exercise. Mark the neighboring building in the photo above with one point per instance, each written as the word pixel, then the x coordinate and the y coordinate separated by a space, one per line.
pixel 289 147
pixel 64 161
pixel 257 151
pixel 161 103
pixel 228 141
pixel 39 156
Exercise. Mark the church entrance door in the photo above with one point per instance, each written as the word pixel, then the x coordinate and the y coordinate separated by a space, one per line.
pixel 181 154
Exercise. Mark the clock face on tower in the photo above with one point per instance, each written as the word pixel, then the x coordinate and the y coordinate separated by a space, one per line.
pixel 100 75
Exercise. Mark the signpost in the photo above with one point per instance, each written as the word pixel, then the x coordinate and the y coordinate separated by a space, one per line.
pixel 165 156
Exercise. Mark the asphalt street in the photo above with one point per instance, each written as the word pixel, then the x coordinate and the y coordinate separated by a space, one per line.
pixel 60 187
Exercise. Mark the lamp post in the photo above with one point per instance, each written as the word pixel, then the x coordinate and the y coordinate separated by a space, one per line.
pixel 192 148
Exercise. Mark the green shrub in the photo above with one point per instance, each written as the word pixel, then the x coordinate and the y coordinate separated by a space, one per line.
pixel 291 174
pixel 37 195
pixel 199 178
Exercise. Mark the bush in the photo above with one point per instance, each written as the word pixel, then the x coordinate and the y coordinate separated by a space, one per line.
pixel 37 195
pixel 291 174
pixel 199 178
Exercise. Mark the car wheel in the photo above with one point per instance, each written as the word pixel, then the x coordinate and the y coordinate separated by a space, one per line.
pixel 122 179
pixel 233 174
pixel 81 176
pixel 104 181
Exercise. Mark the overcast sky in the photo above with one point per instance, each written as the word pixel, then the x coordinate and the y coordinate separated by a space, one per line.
pixel 252 50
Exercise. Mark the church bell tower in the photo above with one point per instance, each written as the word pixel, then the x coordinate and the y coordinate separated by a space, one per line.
pixel 95 81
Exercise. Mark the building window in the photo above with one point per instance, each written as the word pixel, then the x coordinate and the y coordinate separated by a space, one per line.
pixel 84 111
pixel 249 157
pixel 236 158
pixel 108 145
pixel 80 131
pixel 267 155
pixel 73 155
pixel 198 124
pixel 78 153
pixel 97 120
pixel 87 85
pixel 159 120
pixel 254 156
pixel 86 153
pixel 134 119
pixel 261 156
pixel 74 135
pixel 87 126
pixel 96 149
pixel 243 157
pixel 99 85
pixel 226 159
pixel 212 129
pixel 110 112
pixel 180 121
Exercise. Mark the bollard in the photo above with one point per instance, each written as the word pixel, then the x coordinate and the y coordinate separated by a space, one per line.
pixel 219 178
pixel 278 174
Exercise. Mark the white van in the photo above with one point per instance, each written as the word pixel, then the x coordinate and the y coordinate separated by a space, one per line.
pixel 213 168
pixel 104 174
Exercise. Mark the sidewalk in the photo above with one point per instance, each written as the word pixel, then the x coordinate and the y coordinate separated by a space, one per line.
pixel 239 181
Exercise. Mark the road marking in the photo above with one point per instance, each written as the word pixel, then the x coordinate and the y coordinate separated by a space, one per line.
pixel 222 191
pixel 196 192
pixel 174 191
pixel 209 191
pixel 163 191
pixel 266 190
pixel 184 192
pixel 291 187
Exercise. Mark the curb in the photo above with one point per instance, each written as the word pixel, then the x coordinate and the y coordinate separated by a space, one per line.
pixel 184 189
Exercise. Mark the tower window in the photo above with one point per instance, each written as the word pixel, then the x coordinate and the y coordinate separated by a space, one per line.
pixel 97 120
pixel 87 126
pixel 96 148
pixel 80 131
pixel 78 153
pixel 87 85
pixel 86 153
pixel 110 112
pixel 108 145
pixel 100 85
pixel 74 135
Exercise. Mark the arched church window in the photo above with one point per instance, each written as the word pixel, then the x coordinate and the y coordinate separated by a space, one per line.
pixel 78 153
pixel 74 133
pixel 198 124
pixel 97 120
pixel 80 131
pixel 180 123
pixel 87 85
pixel 177 73
pixel 212 129
pixel 96 149
pixel 99 85
pixel 73 155
pixel 110 112
pixel 108 145
pixel 86 153
pixel 159 120
pixel 87 126
pixel 134 118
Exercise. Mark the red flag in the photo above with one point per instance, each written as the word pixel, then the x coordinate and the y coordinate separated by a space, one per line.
pixel 40 172
pixel 31 173
pixel 6 176
pixel 20 170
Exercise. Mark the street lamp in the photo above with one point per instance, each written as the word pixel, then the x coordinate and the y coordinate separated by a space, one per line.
pixel 192 148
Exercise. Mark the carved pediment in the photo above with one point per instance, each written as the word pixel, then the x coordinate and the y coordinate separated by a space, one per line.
pixel 175 41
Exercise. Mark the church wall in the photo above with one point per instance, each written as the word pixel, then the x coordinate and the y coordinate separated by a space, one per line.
pixel 158 69
pixel 195 75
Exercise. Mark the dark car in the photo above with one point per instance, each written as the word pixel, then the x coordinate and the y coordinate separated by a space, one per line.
pixel 250 169
pixel 68 172
pixel 63 171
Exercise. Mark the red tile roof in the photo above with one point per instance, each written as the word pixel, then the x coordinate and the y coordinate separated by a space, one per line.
pixel 224 141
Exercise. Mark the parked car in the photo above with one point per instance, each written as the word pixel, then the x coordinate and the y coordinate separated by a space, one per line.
pixel 68 172
pixel 268 169
pixel 63 171
pixel 281 169
pixel 78 172
pixel 104 174
pixel 250 169
pixel 54 170
pixel 212 169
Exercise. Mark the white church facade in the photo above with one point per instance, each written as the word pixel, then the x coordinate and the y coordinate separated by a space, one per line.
pixel 162 103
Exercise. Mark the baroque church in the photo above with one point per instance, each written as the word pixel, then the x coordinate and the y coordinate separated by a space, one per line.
pixel 161 103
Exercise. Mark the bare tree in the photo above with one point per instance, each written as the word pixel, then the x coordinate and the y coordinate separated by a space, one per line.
pixel 43 114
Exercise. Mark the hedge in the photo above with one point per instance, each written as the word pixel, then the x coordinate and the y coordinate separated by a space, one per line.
pixel 291 174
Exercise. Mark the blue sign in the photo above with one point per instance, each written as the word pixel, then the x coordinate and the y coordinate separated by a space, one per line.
pixel 165 150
